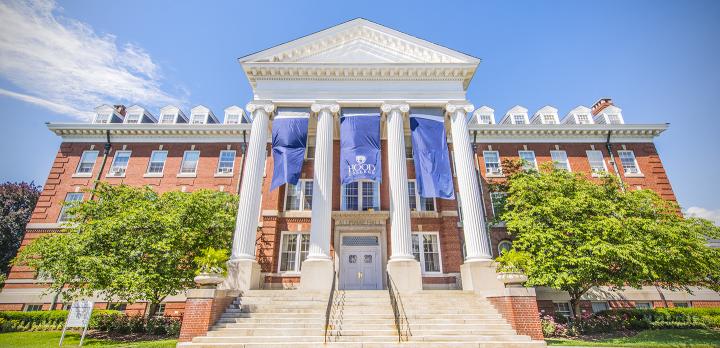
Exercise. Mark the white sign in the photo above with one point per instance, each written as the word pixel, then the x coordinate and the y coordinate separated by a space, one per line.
pixel 79 316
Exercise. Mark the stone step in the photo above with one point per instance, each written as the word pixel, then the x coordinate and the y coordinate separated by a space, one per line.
pixel 265 331
pixel 261 309
pixel 295 324
pixel 393 344
pixel 471 338
pixel 272 315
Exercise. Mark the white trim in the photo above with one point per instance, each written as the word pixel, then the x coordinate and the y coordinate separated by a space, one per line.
pixel 567 160
pixel 298 252
pixel 301 197
pixel 112 164
pixel 637 174
pixel 148 174
pixel 418 199
pixel 534 162
pixel 218 173
pixel 182 163
pixel 498 173
pixel 92 169
pixel 376 195
pixel 602 156
pixel 422 252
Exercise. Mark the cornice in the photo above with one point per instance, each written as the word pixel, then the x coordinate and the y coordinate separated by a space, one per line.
pixel 566 132
pixel 149 132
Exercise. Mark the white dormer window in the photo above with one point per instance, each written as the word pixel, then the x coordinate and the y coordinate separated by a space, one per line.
pixel 232 119
pixel 518 119
pixel 198 119
pixel 103 118
pixel 133 118
pixel 484 119
pixel 614 119
pixel 167 118
pixel 549 119
pixel 583 119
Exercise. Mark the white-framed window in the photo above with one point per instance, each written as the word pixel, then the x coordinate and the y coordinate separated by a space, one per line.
pixel 160 310
pixel 87 162
pixel 133 118
pixel 294 248
pixel 121 307
pixel 497 202
pixel 643 305
pixel 119 163
pixel 484 119
pixel 600 306
pixel 614 119
pixel 226 162
pixel 102 118
pixel 426 249
pixel 528 158
pixel 190 162
pixel 70 199
pixel 596 161
pixel 167 118
pixel 563 308
pixel 504 246
pixel 360 195
pixel 628 161
pixel 560 159
pixel 418 203
pixel 299 197
pixel 157 162
pixel 232 119
pixel 33 307
pixel 518 119
pixel 549 119
pixel 198 119
pixel 583 119
pixel 492 162
pixel 681 304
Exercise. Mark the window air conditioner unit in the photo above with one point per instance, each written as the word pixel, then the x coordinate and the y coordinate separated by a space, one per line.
pixel 224 170
pixel 118 171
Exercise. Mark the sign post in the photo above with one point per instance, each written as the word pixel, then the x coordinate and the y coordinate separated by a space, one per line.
pixel 79 316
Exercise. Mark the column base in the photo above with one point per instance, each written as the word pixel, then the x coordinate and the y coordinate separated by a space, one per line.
pixel 317 275
pixel 242 275
pixel 480 276
pixel 406 275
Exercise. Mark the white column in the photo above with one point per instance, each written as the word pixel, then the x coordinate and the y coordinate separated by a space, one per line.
pixel 477 244
pixel 322 181
pixel 246 225
pixel 397 170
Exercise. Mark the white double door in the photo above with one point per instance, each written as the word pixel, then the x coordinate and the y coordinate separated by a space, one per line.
pixel 360 268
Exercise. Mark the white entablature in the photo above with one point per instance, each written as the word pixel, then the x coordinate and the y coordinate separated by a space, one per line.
pixel 359 62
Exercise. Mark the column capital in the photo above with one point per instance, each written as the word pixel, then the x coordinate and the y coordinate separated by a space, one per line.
pixel 387 107
pixel 266 105
pixel 459 105
pixel 331 106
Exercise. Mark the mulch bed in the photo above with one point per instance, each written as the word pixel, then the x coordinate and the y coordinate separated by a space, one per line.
pixel 125 337
pixel 601 336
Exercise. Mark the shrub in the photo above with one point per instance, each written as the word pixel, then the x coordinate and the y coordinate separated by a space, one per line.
pixel 41 320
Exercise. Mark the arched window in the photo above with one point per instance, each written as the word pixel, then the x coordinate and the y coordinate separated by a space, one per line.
pixel 504 245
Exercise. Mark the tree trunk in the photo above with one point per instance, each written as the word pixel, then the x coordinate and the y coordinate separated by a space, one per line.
pixel 575 304
pixel 152 308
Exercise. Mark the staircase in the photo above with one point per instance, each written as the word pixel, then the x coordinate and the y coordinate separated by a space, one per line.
pixel 290 318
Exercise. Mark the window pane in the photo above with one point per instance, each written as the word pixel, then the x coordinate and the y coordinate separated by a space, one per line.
pixel 232 119
pixel 427 204
pixel 599 306
pixel 627 159
pixel 368 195
pixel 519 119
pixel 416 246
pixel 304 248
pixel 70 200
pixel 120 163
pixel 498 200
pixel 411 195
pixel 226 162
pixel 549 119
pixel 492 162
pixel 308 195
pixel 167 118
pixel 157 161
pixel 288 252
pixel 292 201
pixel 350 201
pixel 528 158
pixel 596 161
pixel 87 162
pixel 431 251
pixel 198 119
pixel 560 160
pixel 190 161
pixel 583 119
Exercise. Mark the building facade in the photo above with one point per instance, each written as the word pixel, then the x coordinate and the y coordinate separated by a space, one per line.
pixel 302 236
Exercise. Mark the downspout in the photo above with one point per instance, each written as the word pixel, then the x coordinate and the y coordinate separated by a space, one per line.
pixel 108 144
pixel 612 161
pixel 243 148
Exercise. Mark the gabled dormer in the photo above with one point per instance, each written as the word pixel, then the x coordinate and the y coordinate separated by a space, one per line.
pixel 138 114
pixel 579 115
pixel 484 115
pixel 610 115
pixel 546 115
pixel 516 115
pixel 107 114
pixel 202 115
pixel 171 115
pixel 235 115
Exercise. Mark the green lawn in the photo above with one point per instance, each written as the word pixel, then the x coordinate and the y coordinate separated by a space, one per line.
pixel 72 339
pixel 695 338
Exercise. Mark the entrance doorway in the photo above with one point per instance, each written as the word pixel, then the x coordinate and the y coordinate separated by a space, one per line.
pixel 360 263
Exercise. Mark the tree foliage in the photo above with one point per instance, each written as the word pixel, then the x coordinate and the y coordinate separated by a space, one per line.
pixel 17 201
pixel 579 233
pixel 133 243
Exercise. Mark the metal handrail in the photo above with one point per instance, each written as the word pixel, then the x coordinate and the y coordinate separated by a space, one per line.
pixel 328 310
pixel 401 320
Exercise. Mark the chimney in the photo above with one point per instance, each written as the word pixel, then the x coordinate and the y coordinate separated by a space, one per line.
pixel 120 109
pixel 600 105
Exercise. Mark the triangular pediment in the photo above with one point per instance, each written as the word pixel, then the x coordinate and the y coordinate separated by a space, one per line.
pixel 359 41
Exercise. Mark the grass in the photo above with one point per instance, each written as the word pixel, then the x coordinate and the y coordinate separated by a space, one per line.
pixel 685 338
pixel 72 339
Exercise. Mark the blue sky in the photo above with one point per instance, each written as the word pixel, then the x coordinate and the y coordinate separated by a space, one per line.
pixel 658 60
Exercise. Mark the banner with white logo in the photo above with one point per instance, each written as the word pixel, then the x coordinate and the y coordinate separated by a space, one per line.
pixel 431 157
pixel 360 147
pixel 289 140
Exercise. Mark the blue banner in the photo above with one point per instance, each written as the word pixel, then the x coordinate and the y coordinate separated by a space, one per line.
pixel 289 139
pixel 430 154
pixel 360 147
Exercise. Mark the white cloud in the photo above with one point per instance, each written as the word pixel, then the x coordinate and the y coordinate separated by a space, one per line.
pixel 63 65
pixel 712 215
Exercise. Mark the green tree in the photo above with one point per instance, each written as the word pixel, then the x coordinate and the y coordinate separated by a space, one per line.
pixel 133 243
pixel 580 233
pixel 17 201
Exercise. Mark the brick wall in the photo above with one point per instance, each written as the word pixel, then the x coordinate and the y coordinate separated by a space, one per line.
pixel 200 315
pixel 522 314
